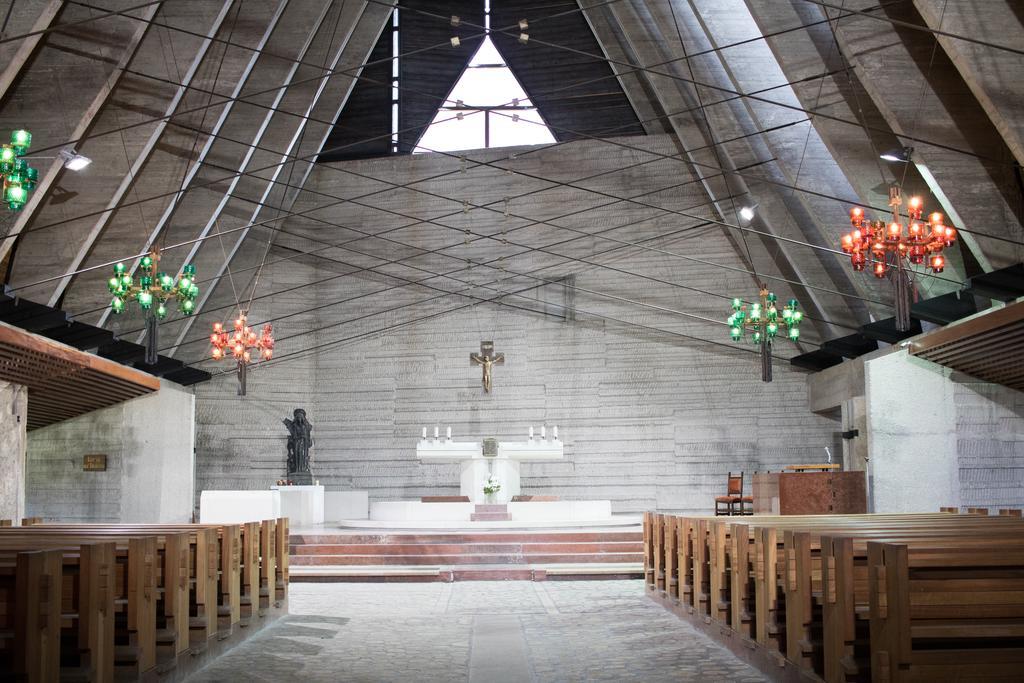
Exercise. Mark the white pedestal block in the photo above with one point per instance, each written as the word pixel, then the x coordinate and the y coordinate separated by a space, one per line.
pixel 302 505
pixel 339 505
pixel 235 507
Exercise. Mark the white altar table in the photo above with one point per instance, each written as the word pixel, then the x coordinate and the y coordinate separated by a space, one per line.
pixel 477 467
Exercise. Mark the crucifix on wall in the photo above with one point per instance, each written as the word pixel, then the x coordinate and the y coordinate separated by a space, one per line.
pixel 487 359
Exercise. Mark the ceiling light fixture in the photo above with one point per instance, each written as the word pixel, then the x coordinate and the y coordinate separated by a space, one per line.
pixel 899 154
pixel 747 213
pixel 153 287
pixel 73 161
pixel 763 321
pixel 239 345
pixel 18 177
pixel 894 250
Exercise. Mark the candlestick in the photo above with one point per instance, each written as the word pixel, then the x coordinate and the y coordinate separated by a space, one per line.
pixel 531 432
pixel 435 432
pixel 448 433
pixel 543 432
pixel 554 431
pixel 424 433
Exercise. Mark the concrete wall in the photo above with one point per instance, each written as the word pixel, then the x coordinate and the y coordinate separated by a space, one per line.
pixel 13 405
pixel 650 419
pixel 149 444
pixel 938 438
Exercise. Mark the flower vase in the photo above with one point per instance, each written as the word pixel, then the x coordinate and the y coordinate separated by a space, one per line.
pixel 490 498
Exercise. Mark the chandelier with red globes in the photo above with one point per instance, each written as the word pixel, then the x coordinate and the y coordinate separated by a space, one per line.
pixel 242 344
pixel 895 249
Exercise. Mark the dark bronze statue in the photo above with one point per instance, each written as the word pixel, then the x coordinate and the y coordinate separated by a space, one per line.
pixel 300 440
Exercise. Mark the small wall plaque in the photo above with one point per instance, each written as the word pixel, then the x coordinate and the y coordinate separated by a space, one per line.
pixel 490 449
pixel 95 462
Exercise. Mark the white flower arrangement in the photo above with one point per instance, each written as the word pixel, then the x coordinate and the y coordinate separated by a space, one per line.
pixel 492 485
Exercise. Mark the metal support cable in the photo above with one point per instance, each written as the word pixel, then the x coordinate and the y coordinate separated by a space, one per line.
pixel 491 208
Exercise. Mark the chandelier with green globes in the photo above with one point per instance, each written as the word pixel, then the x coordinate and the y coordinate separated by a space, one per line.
pixel 764 321
pixel 153 290
pixel 19 177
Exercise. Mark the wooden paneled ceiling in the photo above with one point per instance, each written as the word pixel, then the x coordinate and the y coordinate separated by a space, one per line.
pixel 989 346
pixel 64 382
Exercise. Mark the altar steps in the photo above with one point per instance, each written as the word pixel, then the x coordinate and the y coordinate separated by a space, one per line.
pixel 480 572
pixel 466 556
pixel 490 513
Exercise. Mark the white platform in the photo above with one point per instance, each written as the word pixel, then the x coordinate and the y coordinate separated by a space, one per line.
pixel 302 505
pixel 553 512
pixel 235 507
pixel 346 505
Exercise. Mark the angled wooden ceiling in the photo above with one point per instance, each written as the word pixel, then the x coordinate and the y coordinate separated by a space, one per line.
pixel 64 382
pixel 989 346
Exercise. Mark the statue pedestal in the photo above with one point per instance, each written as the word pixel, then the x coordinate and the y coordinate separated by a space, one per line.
pixel 300 478
pixel 302 505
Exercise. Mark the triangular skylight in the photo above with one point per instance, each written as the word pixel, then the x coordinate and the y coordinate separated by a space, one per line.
pixel 494 109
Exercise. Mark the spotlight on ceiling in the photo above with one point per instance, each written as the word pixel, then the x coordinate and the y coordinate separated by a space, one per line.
pixel 901 154
pixel 747 213
pixel 74 161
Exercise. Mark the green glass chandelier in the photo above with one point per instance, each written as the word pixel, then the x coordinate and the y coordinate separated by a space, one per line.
pixel 765 321
pixel 19 177
pixel 153 291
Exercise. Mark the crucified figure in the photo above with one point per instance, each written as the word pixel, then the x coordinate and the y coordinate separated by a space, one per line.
pixel 487 359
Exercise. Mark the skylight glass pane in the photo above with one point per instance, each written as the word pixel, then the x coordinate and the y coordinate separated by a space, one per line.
pixel 485 86
pixel 506 133
pixel 445 135
pixel 486 54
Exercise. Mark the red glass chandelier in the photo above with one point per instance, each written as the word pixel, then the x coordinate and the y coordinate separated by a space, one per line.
pixel 893 250
pixel 242 344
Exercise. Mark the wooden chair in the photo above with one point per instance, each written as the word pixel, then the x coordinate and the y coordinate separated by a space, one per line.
pixel 733 497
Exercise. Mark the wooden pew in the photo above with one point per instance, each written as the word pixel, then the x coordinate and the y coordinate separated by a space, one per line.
pixel 171 584
pixel 808 577
pixel 938 613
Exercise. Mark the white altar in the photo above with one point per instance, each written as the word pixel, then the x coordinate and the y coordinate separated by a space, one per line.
pixel 503 464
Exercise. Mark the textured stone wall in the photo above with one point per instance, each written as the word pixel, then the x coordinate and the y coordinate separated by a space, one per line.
pixel 651 415
pixel 149 444
pixel 990 443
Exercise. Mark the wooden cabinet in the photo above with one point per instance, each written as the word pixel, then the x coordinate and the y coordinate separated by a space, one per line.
pixel 810 493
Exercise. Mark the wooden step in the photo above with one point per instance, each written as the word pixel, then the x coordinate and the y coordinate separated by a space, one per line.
pixel 461 559
pixel 476 572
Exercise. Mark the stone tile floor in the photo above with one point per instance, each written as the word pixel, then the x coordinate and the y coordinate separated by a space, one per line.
pixel 493 632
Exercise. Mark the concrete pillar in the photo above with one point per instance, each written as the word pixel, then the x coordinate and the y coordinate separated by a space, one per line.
pixel 912 435
pixel 13 418
pixel 855 418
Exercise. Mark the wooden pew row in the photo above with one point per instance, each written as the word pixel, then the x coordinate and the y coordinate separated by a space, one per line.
pixel 769 578
pixel 194 582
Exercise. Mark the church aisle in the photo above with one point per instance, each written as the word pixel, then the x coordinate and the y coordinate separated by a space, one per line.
pixel 493 632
